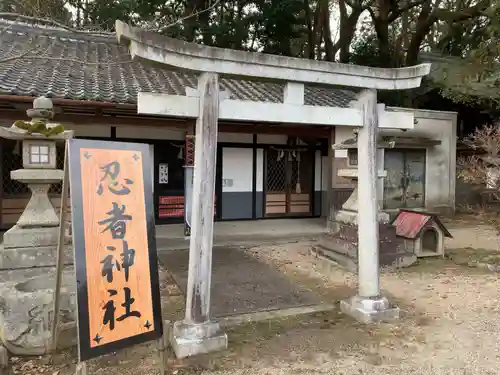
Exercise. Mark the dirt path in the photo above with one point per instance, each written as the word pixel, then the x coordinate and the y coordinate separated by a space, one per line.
pixel 450 323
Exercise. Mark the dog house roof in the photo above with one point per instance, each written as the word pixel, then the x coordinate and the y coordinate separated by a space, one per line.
pixel 409 224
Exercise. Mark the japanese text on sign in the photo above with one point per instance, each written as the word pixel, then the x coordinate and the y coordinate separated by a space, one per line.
pixel 116 245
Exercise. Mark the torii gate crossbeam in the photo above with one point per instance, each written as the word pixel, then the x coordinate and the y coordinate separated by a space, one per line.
pixel 197 333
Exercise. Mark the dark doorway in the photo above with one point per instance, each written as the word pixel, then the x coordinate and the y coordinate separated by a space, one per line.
pixel 430 240
pixel 169 182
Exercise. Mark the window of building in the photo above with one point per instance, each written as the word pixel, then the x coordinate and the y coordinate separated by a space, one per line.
pixel 39 154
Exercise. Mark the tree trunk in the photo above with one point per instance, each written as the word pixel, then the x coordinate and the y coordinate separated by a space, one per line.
pixel 431 14
pixel 327 32
pixel 382 30
pixel 425 21
pixel 310 52
pixel 347 29
pixel 317 32
pixel 381 23
pixel 204 24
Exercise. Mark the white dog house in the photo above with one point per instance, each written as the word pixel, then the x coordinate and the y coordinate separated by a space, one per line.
pixel 423 232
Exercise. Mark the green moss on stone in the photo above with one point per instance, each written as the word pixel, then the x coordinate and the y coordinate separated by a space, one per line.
pixel 39 127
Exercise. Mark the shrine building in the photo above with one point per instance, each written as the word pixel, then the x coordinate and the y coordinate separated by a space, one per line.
pixel 265 169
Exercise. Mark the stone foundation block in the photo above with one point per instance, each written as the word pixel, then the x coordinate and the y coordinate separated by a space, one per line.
pixel 192 339
pixel 26 314
pixel 32 257
pixel 17 237
pixel 369 310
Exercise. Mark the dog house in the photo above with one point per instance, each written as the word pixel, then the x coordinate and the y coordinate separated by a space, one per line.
pixel 423 232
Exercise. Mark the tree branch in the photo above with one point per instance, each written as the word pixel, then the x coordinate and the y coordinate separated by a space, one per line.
pixel 395 14
pixel 19 17
pixel 462 15
pixel 182 19
pixel 359 4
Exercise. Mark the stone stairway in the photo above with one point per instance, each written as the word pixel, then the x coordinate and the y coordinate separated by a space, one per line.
pixel 341 248
pixel 338 251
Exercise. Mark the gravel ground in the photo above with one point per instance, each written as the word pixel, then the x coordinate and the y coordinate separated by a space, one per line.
pixel 476 237
pixel 450 322
pixel 450 325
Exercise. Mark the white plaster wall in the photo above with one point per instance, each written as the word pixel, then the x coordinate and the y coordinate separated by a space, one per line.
pixel 150 132
pixel 260 170
pixel 235 138
pixel 267 139
pixel 237 164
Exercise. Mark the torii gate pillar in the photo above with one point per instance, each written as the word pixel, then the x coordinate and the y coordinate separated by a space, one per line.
pixel 197 333
pixel 368 305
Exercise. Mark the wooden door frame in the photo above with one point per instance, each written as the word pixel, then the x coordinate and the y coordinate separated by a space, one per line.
pixel 405 165
pixel 288 186
pixel 404 151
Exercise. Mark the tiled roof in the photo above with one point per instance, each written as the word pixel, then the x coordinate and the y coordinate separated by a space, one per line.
pixel 67 69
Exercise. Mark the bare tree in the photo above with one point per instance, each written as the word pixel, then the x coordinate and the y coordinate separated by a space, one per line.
pixel 482 170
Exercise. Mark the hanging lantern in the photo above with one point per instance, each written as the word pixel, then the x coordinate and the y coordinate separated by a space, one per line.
pixel 281 154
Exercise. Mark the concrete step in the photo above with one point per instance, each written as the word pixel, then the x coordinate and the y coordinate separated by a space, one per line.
pixel 427 254
pixel 339 245
pixel 344 252
pixel 335 258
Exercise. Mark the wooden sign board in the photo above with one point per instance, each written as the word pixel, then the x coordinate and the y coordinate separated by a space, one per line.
pixel 115 247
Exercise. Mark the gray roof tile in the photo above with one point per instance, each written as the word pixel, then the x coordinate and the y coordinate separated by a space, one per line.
pixel 66 68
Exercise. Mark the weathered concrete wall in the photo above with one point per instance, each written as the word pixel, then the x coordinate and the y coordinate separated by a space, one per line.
pixel 440 176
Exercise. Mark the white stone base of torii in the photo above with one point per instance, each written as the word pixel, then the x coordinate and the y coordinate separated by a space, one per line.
pixel 197 333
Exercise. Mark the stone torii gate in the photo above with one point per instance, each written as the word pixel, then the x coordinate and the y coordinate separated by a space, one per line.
pixel 197 333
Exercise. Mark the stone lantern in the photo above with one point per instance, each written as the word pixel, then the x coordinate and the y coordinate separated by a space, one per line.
pixel 349 212
pixel 38 225
pixel 29 251
pixel 341 244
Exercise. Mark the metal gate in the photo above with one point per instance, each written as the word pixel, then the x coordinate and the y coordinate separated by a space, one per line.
pixel 404 186
pixel 289 182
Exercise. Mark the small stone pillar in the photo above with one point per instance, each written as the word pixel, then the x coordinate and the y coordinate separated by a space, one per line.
pixel 38 226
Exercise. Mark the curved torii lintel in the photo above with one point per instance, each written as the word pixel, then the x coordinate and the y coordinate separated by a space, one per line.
pixel 191 56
